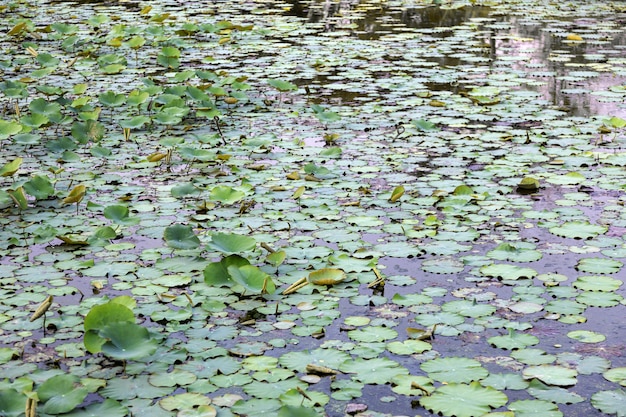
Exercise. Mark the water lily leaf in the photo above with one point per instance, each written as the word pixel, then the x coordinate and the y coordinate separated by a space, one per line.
pixel 599 299
pixel 257 407
pixel 617 375
pixel 183 401
pixel 408 347
pixel 373 371
pixel 119 214
pixel 231 242
pixel 133 387
pixel 252 279
pixel 454 369
pixel 551 374
pixel 397 193
pixel 597 283
pixel 276 258
pixel 571 178
pixel 8 129
pixel 296 411
pixel 610 402
pixel 216 273
pixel 578 230
pixel 11 168
pixel 528 184
pixel 372 334
pixel 513 340
pixel 273 389
pixel 500 382
pixel 126 340
pixel 424 125
pixel 599 265
pixel 179 236
pixel 507 272
pixel 463 400
pixel 282 85
pixel 60 394
pixel 326 358
pixel 529 408
pixel 183 190
pixel 108 407
pixel 560 395
pixel 468 308
pixel 515 252
pixel 226 194
pixel 76 195
pixel 12 403
pixel 327 276
pixel 533 356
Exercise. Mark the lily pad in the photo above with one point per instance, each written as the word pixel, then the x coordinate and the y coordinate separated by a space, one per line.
pixel 463 400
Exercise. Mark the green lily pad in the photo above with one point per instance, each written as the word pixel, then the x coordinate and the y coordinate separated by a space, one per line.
pixel 108 407
pixel 59 394
pixel 599 266
pixel 617 375
pixel 12 403
pixel 578 230
pixel 529 408
pixel 226 194
pixel 463 400
pixel 610 402
pixel 127 340
pixel 231 243
pixel 507 272
pixel 454 369
pixel 513 340
pixel 180 236
pixel 551 374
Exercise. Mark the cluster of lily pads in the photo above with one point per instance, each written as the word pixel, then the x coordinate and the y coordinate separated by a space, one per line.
pixel 267 208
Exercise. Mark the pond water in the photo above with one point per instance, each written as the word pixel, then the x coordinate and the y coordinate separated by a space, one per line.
pixel 469 153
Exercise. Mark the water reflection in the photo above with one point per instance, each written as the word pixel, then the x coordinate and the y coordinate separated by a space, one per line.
pixel 565 73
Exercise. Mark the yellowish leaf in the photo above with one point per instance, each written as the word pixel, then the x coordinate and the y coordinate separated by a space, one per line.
pixel 76 195
pixel 396 193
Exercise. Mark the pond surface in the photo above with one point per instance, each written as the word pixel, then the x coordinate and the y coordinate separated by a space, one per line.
pixel 457 168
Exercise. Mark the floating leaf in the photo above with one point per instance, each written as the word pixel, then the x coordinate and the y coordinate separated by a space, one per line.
pixel 530 408
pixel 11 168
pixel 610 402
pixel 60 394
pixel 226 194
pixel 454 369
pixel 327 276
pixel 282 85
pixel 76 195
pixel 578 230
pixel 463 400
pixel 599 265
pixel 231 242
pixel 551 374
pixel 252 279
pixel 179 236
pixel 397 193
pixel 513 340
